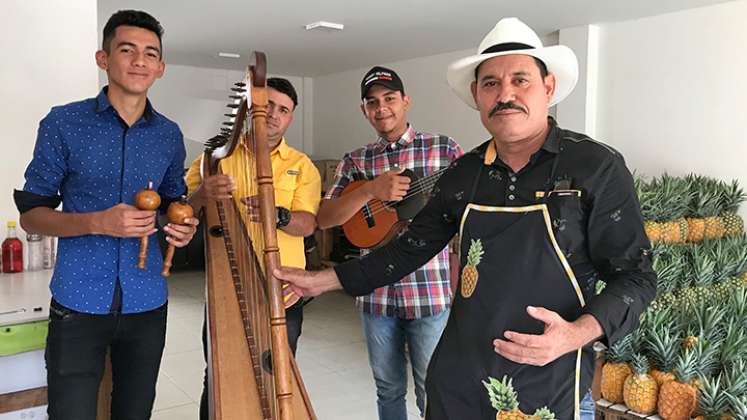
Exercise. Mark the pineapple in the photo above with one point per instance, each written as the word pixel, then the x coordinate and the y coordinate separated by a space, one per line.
pixel 678 398
pixel 663 348
pixel 712 402
pixel 705 206
pixel 673 197
pixel 470 274
pixel 640 389
pixel 701 276
pixel 732 196
pixel 616 369
pixel 503 397
pixel 701 205
pixel 544 413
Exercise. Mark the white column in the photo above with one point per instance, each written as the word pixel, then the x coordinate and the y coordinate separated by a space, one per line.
pixel 578 111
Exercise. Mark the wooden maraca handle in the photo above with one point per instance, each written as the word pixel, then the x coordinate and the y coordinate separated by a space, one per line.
pixel 143 252
pixel 146 199
pixel 167 261
pixel 178 212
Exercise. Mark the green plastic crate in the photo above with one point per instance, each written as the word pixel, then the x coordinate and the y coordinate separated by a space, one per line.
pixel 21 338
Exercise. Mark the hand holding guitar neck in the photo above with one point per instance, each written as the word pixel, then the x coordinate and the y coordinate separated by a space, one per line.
pixel 146 199
pixel 389 186
pixel 178 213
pixel 397 196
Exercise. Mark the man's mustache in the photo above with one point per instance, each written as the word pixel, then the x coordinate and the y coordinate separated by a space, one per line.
pixel 500 106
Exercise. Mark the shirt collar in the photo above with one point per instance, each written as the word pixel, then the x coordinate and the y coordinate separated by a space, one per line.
pixel 282 149
pixel 551 144
pixel 407 137
pixel 103 104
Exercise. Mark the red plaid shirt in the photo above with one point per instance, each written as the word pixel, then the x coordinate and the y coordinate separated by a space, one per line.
pixel 427 291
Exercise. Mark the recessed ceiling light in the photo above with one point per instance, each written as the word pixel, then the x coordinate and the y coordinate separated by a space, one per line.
pixel 327 25
pixel 229 55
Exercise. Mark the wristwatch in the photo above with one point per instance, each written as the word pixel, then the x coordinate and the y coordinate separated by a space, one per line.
pixel 284 217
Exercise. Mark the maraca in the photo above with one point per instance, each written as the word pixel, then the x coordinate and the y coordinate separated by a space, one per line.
pixel 178 211
pixel 146 199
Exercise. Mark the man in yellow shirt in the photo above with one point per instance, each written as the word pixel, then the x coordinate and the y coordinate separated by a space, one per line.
pixel 297 194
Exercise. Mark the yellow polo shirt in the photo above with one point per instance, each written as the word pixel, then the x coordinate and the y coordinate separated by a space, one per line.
pixel 297 187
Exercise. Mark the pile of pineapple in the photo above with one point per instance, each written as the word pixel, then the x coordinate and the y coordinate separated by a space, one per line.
pixel 505 400
pixel 690 208
pixel 689 356
pixel 684 361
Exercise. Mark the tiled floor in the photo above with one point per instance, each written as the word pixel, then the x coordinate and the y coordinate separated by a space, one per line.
pixel 331 356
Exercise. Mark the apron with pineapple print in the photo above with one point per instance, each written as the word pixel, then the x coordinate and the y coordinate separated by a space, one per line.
pixel 510 260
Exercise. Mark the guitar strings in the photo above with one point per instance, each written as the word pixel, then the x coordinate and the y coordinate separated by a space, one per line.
pixel 428 184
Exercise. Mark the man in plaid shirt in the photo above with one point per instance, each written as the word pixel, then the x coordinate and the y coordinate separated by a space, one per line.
pixel 413 311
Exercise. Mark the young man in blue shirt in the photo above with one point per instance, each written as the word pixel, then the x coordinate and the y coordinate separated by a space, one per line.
pixel 93 156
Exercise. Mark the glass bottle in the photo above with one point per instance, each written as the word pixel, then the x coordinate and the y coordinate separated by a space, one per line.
pixel 49 251
pixel 35 252
pixel 12 250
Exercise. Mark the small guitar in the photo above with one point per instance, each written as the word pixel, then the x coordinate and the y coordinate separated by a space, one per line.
pixel 378 222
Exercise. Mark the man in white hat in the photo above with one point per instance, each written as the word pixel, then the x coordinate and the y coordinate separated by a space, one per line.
pixel 543 213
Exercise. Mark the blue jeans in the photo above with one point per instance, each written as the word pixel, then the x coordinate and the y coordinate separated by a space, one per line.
pixel 587 407
pixel 386 338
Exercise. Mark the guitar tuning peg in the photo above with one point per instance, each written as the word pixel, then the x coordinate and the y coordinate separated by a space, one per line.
pixel 239 84
pixel 229 115
pixel 233 106
pixel 228 123
pixel 239 90
pixel 234 97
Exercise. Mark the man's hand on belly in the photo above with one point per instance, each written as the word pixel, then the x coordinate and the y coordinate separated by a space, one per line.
pixel 559 338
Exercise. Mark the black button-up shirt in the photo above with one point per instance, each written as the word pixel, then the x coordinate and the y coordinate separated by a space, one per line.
pixel 606 242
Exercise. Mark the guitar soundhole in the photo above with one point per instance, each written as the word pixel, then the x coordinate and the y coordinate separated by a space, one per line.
pixel 216 231
pixel 267 361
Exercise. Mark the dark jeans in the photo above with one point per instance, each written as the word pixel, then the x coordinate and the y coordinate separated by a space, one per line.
pixel 293 321
pixel 76 348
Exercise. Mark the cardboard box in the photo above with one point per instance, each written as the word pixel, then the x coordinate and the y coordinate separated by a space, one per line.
pixel 327 169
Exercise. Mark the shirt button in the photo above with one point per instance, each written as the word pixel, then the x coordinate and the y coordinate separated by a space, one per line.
pixel 513 179
pixel 511 197
pixel 511 187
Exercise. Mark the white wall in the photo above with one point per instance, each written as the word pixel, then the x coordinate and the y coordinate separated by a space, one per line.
pixel 672 91
pixel 48 59
pixel 339 125
pixel 196 98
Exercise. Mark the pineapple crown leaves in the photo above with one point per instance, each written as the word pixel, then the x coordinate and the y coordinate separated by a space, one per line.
pixel 501 393
pixel 732 196
pixel 684 369
pixel 737 405
pixel 713 402
pixel 544 413
pixel 621 351
pixel 671 197
pixel 663 348
pixel 639 364
pixel 734 346
pixel 735 381
pixel 474 255
pixel 707 196
pixel 702 266
pixel 707 355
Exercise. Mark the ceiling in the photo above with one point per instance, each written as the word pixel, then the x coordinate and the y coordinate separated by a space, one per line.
pixel 375 32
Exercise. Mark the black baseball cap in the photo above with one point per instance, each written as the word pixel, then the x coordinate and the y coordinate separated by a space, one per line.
pixel 381 76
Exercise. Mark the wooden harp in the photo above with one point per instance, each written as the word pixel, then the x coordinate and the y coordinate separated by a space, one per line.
pixel 251 371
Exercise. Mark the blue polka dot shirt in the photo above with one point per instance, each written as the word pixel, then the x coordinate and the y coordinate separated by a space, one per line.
pixel 86 155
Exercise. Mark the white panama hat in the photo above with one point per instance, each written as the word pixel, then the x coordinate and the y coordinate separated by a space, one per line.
pixel 512 36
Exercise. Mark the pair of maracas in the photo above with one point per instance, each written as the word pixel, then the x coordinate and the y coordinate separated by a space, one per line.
pixel 178 212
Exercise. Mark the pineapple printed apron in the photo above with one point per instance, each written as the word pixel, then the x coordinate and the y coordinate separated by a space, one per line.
pixel 520 263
